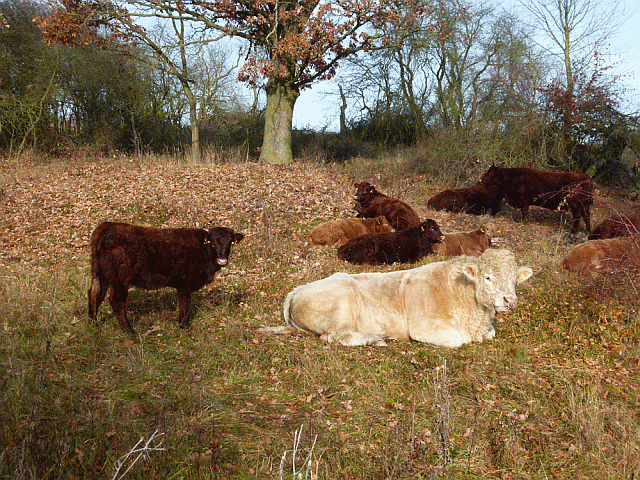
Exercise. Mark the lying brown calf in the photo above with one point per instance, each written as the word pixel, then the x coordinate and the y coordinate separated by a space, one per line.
pixel 344 229
pixel 124 255
pixel 470 243
pixel 406 246
pixel 605 255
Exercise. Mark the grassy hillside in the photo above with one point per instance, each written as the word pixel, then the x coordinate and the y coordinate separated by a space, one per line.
pixel 555 395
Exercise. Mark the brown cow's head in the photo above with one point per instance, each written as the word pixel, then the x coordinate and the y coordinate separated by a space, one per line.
pixel 491 230
pixel 430 232
pixel 382 225
pixel 220 240
pixel 364 192
pixel 492 177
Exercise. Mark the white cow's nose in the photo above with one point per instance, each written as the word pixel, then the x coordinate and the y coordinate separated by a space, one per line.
pixel 221 261
pixel 510 301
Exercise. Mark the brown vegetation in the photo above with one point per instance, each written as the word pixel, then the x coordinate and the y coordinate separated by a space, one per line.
pixel 554 395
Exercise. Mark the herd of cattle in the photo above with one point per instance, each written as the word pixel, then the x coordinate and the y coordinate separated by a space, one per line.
pixel 446 303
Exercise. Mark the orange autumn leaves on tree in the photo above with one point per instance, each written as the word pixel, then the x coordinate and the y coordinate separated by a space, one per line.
pixel 298 41
pixel 75 22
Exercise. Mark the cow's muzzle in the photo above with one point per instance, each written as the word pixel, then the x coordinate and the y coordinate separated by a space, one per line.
pixel 509 302
pixel 221 261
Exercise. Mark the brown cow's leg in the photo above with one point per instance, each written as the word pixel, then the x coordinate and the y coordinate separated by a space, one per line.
pixel 576 224
pixel 578 212
pixel 118 300
pixel 184 302
pixel 586 216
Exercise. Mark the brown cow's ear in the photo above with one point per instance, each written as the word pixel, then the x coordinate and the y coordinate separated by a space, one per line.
pixel 237 238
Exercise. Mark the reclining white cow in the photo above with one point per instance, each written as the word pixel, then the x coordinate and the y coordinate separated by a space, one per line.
pixel 443 303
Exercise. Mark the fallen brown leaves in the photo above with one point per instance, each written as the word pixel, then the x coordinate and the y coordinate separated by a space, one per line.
pixel 47 216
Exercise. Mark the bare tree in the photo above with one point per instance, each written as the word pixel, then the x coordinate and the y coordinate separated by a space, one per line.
pixel 571 30
pixel 200 66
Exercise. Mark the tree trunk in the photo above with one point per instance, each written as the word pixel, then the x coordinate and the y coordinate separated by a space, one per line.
pixel 278 121
pixel 343 112
pixel 193 118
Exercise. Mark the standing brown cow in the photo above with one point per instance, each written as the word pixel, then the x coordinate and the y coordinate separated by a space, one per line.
pixel 124 255
pixel 523 187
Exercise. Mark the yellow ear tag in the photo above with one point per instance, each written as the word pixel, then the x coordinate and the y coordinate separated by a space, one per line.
pixel 207 241
pixel 482 229
pixel 422 229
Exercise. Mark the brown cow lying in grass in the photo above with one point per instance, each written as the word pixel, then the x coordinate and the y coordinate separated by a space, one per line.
pixel 124 255
pixel 606 255
pixel 372 204
pixel 523 187
pixel 470 243
pixel 476 200
pixel 344 229
pixel 406 246
pixel 617 226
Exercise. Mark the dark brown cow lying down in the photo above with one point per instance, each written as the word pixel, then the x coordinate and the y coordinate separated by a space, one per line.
pixel 523 187
pixel 617 226
pixel 124 255
pixel 477 200
pixel 406 246
pixel 372 204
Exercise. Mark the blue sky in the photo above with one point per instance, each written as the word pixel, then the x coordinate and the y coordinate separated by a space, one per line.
pixel 319 107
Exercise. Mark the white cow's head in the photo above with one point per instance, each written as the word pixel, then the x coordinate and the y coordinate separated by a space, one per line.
pixel 495 276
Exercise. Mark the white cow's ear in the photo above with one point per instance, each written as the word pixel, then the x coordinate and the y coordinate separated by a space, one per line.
pixel 470 270
pixel 523 274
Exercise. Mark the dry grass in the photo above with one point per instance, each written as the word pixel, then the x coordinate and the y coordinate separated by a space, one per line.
pixel 555 395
